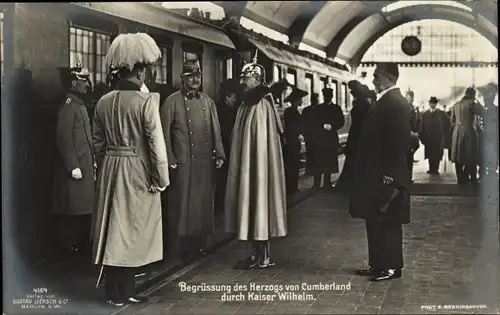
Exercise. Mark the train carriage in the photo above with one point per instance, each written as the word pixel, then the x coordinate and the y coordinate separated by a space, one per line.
pixel 44 39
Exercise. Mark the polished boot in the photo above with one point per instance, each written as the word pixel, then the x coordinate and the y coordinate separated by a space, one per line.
pixel 249 262
pixel 387 274
pixel 265 255
pixel 367 271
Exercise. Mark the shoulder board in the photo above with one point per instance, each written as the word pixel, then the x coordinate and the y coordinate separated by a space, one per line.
pixel 68 100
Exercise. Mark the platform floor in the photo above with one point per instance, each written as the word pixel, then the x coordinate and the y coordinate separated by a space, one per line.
pixel 451 258
pixel 446 169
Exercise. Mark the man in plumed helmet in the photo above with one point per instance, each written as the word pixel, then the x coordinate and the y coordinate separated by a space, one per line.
pixel 74 185
pixel 194 148
pixel 255 204
pixel 132 170
pixel 381 178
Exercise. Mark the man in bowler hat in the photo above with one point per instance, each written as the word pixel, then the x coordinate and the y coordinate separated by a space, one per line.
pixel 433 128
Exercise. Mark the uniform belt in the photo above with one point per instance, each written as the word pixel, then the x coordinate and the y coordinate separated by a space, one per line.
pixel 121 151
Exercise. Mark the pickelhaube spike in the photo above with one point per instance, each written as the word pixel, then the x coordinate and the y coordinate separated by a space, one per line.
pixel 255 56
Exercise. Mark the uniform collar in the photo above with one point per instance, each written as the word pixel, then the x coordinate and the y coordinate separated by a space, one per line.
pixel 190 94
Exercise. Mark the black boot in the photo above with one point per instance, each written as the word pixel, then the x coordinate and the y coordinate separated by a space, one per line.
pixel 265 255
pixel 249 262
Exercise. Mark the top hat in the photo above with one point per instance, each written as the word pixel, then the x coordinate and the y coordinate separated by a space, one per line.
pixel 433 99
pixel 79 73
pixel 327 91
pixel 470 92
pixel 354 85
pixel 279 87
pixel 296 94
pixel 191 66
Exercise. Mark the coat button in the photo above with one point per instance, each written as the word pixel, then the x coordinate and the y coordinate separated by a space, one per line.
pixel 204 108
pixel 190 132
pixel 188 109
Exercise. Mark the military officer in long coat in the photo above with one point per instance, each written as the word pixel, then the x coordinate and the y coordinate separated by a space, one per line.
pixel 74 185
pixel 293 139
pixel 464 140
pixel 434 125
pixel 307 120
pixel 132 170
pixel 255 197
pixel 327 119
pixel 381 166
pixel 194 148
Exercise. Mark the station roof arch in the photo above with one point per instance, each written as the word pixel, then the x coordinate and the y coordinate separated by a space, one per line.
pixel 346 29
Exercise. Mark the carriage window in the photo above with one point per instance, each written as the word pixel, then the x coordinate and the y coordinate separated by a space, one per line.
pixel 229 68
pixel 89 47
pixel 277 73
pixel 163 66
pixel 324 81
pixel 1 47
pixel 309 85
pixel 344 97
pixel 291 77
pixel 334 87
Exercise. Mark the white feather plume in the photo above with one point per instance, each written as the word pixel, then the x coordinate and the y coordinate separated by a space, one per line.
pixel 129 49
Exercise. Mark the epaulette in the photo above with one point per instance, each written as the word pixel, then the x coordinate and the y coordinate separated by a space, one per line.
pixel 68 100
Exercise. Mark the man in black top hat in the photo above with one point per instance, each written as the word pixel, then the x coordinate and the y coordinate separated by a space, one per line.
pixel 74 187
pixel 326 120
pixel 194 148
pixel 380 170
pixel 293 139
pixel 433 128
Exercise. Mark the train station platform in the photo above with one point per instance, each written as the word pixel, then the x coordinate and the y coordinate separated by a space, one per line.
pixel 451 266
pixel 71 278
pixel 451 258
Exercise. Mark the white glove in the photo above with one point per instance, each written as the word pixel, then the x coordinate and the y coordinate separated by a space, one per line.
pixel 76 173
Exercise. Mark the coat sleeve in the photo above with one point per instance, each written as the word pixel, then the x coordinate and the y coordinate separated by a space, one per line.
pixel 64 136
pixel 98 139
pixel 339 118
pixel 216 129
pixel 155 138
pixel 397 136
pixel 167 117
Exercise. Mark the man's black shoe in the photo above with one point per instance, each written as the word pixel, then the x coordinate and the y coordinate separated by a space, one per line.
pixel 387 274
